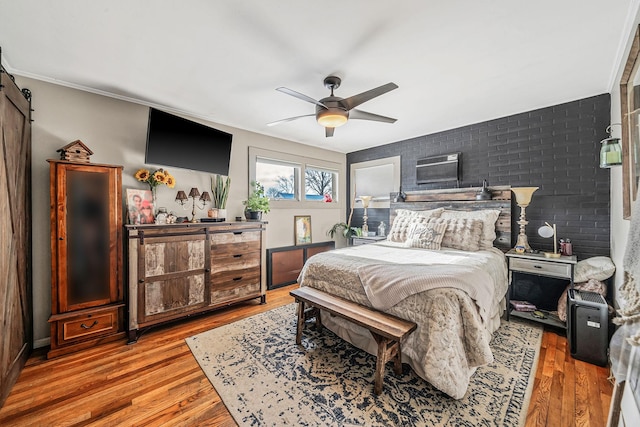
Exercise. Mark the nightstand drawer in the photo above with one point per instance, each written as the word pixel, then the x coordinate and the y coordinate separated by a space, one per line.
pixel 546 268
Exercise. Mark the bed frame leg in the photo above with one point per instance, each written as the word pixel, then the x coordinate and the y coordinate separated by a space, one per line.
pixel 300 324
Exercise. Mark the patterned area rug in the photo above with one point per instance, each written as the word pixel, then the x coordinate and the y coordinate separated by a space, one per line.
pixel 265 379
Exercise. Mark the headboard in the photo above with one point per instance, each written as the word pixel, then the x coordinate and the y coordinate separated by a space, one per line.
pixel 463 199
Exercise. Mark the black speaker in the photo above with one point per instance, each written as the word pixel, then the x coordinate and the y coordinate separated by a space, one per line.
pixel 588 327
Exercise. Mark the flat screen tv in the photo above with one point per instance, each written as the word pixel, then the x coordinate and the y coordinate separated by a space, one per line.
pixel 174 141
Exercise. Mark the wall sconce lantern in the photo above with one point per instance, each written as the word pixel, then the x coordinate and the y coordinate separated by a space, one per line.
pixel 610 152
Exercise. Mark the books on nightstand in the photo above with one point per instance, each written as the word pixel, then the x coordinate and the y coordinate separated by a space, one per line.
pixel 522 305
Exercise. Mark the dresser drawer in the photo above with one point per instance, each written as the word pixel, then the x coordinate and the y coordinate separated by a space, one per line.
pixel 88 326
pixel 234 285
pixel 239 262
pixel 236 242
pixel 544 268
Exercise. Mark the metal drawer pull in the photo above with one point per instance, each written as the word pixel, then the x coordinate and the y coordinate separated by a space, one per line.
pixel 237 255
pixel 537 266
pixel 237 278
pixel 83 326
pixel 237 232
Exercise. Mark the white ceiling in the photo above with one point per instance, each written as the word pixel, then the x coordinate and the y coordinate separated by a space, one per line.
pixel 456 62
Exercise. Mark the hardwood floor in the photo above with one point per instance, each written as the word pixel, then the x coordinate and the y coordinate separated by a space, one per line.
pixel 158 382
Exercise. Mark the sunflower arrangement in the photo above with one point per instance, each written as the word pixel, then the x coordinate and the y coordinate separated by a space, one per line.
pixel 155 178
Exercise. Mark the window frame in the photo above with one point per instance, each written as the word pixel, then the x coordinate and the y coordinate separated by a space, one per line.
pixel 302 163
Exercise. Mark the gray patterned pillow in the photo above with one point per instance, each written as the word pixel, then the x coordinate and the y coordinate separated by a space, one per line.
pixel 462 233
pixel 425 235
pixel 403 220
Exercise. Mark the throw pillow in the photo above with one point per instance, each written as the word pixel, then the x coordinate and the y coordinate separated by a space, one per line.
pixel 403 220
pixel 488 218
pixel 425 235
pixel 461 233
pixel 597 267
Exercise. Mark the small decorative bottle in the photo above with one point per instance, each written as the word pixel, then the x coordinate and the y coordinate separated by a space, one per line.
pixel 382 229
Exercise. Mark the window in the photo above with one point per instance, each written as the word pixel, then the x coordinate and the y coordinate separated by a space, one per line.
pixel 278 178
pixel 319 184
pixel 376 178
pixel 284 176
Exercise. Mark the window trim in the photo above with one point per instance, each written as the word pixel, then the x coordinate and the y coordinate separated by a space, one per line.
pixel 302 162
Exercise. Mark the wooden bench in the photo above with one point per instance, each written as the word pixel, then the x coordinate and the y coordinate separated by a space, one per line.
pixel 389 331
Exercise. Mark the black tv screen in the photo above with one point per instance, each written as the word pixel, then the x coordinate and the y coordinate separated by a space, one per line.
pixel 178 142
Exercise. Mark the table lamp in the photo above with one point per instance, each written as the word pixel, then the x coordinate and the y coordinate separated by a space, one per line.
pixel 523 198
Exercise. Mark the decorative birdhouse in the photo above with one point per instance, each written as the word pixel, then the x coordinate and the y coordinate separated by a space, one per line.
pixel 75 151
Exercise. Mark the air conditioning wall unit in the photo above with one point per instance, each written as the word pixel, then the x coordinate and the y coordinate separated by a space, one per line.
pixel 442 168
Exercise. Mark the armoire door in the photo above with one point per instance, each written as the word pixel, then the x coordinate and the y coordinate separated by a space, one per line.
pixel 16 314
pixel 87 264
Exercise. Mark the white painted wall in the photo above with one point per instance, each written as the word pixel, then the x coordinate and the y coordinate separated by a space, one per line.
pixel 620 226
pixel 116 132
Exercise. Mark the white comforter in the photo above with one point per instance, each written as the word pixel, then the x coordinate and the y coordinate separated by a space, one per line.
pixel 452 338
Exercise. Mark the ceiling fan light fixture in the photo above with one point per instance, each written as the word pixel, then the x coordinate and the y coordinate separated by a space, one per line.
pixel 332 119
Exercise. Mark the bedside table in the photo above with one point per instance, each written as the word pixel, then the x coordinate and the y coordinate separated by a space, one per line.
pixel 536 266
pixel 362 240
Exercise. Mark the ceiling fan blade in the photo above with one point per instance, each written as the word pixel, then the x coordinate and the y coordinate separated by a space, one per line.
pixel 300 96
pixel 289 119
pixel 355 100
pixel 328 132
pixel 363 115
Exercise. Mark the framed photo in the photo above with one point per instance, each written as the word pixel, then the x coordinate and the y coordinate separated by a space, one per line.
pixel 302 229
pixel 140 206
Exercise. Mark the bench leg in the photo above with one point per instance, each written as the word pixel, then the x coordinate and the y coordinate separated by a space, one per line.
pixel 397 359
pixel 300 324
pixel 387 350
pixel 381 361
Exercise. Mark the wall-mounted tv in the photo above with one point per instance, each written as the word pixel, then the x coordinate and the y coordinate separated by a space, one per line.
pixel 174 141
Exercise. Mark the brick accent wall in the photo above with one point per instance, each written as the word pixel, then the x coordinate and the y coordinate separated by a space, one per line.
pixel 554 148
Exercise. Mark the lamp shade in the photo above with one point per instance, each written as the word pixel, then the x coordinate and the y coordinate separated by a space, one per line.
pixel 523 195
pixel 366 200
pixel 181 196
pixel 332 118
pixel 194 193
pixel 205 197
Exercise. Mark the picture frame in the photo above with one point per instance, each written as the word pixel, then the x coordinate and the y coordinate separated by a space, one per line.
pixel 302 229
pixel 630 110
pixel 140 207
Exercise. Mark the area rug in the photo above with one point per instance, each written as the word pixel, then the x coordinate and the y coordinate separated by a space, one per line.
pixel 265 379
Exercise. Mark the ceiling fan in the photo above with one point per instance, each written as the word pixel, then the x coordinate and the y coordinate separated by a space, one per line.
pixel 334 111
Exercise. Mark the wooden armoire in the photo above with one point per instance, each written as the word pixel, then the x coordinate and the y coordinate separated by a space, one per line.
pixel 16 313
pixel 87 298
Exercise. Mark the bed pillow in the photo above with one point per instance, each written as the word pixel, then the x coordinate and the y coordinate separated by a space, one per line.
pixel 461 233
pixel 597 267
pixel 488 218
pixel 405 218
pixel 426 235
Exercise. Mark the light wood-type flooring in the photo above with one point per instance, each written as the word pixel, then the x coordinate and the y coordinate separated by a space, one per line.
pixel 158 382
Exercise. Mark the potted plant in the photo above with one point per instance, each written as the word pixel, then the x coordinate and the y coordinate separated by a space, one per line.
pixel 219 195
pixel 344 229
pixel 257 203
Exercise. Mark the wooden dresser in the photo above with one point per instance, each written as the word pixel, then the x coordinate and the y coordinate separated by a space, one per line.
pixel 178 270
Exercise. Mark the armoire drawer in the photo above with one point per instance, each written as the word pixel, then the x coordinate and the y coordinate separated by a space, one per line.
pixel 85 326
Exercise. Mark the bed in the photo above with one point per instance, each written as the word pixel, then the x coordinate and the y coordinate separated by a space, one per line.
pixel 455 295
